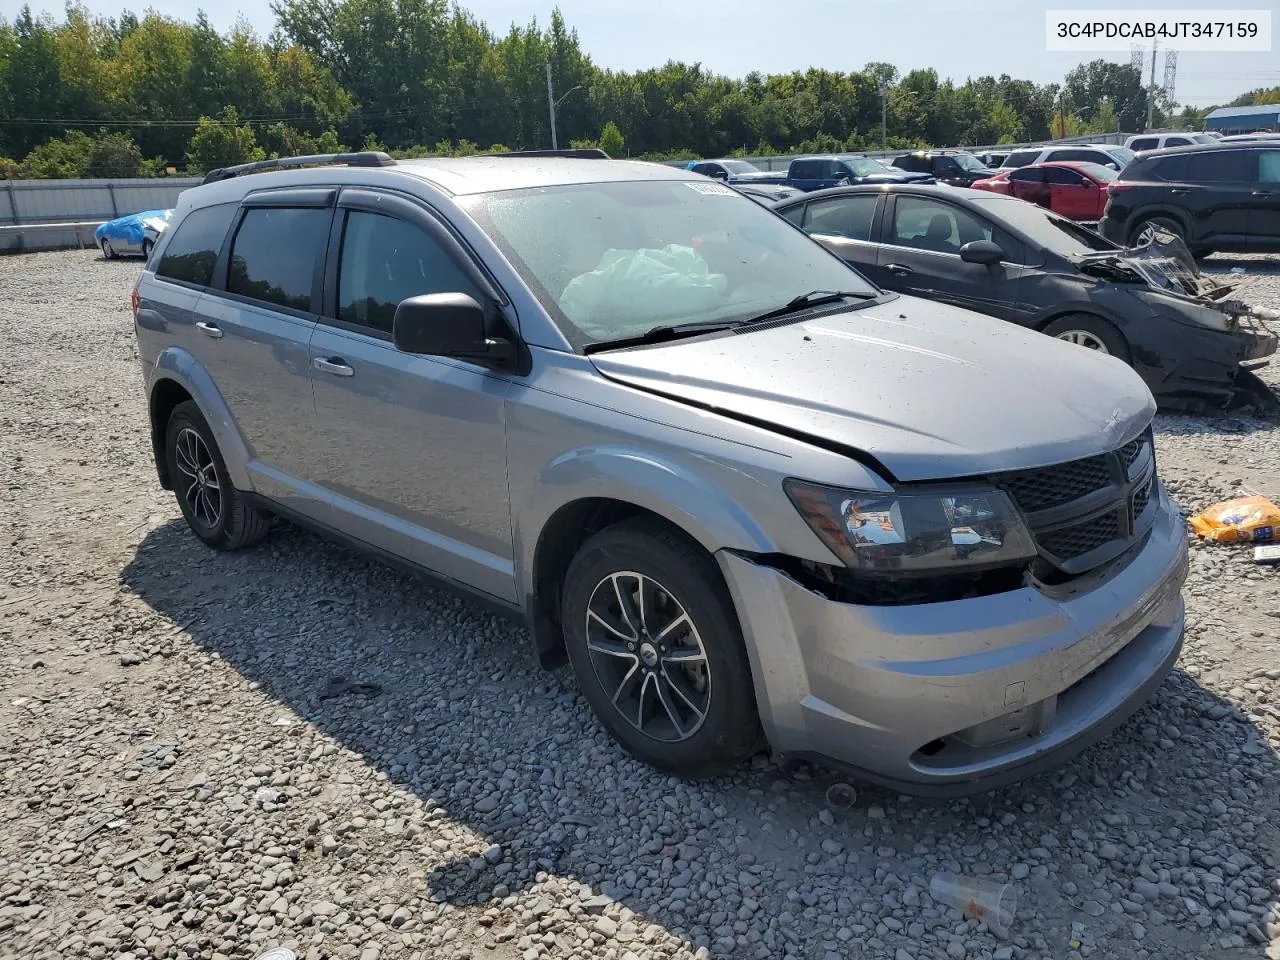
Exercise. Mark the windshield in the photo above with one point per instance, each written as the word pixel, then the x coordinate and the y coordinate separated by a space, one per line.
pixel 1044 229
pixel 1122 154
pixel 739 166
pixel 968 161
pixel 614 260
pixel 1098 172
pixel 863 167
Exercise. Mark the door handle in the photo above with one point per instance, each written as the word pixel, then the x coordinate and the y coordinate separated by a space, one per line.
pixel 1177 192
pixel 900 269
pixel 208 329
pixel 334 365
pixel 1262 193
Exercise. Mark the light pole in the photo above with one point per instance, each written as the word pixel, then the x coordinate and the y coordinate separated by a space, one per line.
pixel 884 117
pixel 553 104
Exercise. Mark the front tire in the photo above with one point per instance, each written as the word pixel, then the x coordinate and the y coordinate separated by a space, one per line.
pixel 1093 333
pixel 147 247
pixel 657 650
pixel 107 252
pixel 214 509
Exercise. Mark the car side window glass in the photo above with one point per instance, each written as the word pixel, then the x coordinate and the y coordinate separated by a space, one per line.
pixel 1171 169
pixel 1025 175
pixel 1146 143
pixel 1269 166
pixel 702 168
pixel 848 217
pixel 1221 166
pixel 192 252
pixel 804 170
pixel 384 261
pixel 1020 158
pixel 275 254
pixel 1060 175
pixel 928 224
pixel 833 170
pixel 796 214
pixel 1177 142
pixel 945 165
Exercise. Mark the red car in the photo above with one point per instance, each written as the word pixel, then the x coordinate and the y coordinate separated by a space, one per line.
pixel 1070 188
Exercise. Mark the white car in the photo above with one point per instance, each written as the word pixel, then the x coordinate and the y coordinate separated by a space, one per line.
pixel 1155 141
pixel 1107 154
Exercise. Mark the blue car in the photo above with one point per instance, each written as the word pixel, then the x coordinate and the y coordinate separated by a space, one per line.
pixel 135 234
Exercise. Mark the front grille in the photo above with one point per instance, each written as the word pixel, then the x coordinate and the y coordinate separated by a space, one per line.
pixel 1078 507
pixel 1053 486
pixel 1068 543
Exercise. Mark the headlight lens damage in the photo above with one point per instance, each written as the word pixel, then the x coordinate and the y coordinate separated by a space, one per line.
pixel 914 532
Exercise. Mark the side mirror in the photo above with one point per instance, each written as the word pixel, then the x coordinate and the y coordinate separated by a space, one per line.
pixel 447 325
pixel 981 251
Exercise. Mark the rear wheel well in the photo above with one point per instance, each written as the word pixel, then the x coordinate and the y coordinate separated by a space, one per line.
pixel 166 395
pixel 561 537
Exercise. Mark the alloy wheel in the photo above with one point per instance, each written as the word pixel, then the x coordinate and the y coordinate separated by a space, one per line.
pixel 648 656
pixel 199 481
pixel 1083 338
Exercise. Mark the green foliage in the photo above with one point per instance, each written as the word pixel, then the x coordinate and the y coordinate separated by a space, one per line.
pixel 611 141
pixel 222 142
pixel 395 75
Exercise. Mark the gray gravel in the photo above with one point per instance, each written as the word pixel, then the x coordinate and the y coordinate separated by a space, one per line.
pixel 180 777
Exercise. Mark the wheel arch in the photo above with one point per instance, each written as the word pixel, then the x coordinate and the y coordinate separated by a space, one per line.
pixel 177 377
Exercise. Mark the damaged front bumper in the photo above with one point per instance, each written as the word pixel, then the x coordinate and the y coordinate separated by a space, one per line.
pixel 968 695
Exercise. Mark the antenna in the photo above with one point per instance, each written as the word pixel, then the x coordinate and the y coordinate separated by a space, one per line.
pixel 1170 74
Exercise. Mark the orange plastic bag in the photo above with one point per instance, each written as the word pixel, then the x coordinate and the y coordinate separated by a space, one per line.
pixel 1245 519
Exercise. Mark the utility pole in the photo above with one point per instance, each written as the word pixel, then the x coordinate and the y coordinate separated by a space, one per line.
pixel 884 117
pixel 551 106
pixel 1151 90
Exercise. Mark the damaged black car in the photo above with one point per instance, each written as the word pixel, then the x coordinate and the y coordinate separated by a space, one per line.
pixel 1192 339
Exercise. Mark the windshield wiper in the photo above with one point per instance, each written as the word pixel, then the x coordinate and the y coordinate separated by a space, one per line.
pixel 660 335
pixel 814 298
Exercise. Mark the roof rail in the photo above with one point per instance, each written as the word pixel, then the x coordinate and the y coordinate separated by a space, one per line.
pixel 367 158
pixel 584 153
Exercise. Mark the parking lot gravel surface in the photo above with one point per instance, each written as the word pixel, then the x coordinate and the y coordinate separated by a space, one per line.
pixel 207 755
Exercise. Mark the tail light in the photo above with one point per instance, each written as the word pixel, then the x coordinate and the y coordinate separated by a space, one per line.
pixel 134 302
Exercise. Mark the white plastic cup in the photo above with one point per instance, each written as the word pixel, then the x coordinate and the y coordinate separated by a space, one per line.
pixel 978 899
pixel 841 796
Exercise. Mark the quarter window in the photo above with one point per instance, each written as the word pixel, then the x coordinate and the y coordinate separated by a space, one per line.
pixel 275 254
pixel 1269 166
pixel 384 261
pixel 192 253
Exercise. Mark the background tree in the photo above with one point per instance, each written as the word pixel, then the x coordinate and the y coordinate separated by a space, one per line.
pixel 222 142
pixel 611 141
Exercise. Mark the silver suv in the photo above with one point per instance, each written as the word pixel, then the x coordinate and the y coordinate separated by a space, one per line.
pixel 751 498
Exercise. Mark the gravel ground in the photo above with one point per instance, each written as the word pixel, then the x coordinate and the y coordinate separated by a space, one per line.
pixel 180 776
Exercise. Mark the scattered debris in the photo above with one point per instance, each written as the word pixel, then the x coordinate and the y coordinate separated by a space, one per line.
pixel 130 659
pixel 148 871
pixel 1248 519
pixel 159 755
pixel 1267 555
pixel 978 899
pixel 841 796
pixel 282 722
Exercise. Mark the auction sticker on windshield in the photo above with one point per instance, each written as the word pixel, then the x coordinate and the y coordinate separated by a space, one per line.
pixel 1235 30
pixel 711 189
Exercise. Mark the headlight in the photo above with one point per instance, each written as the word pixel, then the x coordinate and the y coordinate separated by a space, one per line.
pixel 1182 310
pixel 914 532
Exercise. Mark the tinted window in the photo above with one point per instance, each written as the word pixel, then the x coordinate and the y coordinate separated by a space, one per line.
pixel 805 169
pixel 1144 143
pixel 1020 158
pixel 1062 175
pixel 192 252
pixel 704 168
pixel 945 165
pixel 928 224
pixel 1092 155
pixel 274 254
pixel 1028 175
pixel 1177 142
pixel 833 170
pixel 796 213
pixel 1269 166
pixel 848 217
pixel 1170 169
pixel 913 164
pixel 385 261
pixel 1221 166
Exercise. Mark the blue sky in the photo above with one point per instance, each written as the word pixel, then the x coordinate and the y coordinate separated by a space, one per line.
pixel 959 38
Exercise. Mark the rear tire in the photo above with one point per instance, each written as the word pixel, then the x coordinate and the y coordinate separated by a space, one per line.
pixel 147 247
pixel 655 644
pixel 214 509
pixel 1093 333
pixel 1137 235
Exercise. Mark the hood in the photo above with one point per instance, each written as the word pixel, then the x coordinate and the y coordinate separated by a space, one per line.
pixel 930 391
pixel 757 175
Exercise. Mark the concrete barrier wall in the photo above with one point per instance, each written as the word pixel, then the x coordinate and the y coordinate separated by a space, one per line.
pixel 36 204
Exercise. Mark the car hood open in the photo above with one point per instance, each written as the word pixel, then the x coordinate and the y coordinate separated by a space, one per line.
pixel 929 391
pixel 1163 264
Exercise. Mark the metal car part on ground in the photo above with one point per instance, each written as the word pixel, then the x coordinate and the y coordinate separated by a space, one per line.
pixel 1188 337
pixel 774 505
pixel 132 235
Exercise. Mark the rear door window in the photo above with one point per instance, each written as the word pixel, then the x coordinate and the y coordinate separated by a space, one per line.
pixel 1144 143
pixel 192 252
pixel 1031 175
pixel 1170 169
pixel 276 253
pixel 1020 158
pixel 805 170
pixel 1269 166
pixel 848 217
pixel 1062 175
pixel 1177 142
pixel 1222 166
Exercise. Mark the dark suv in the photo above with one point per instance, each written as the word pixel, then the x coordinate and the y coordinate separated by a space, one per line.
pixel 1216 197
pixel 955 167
